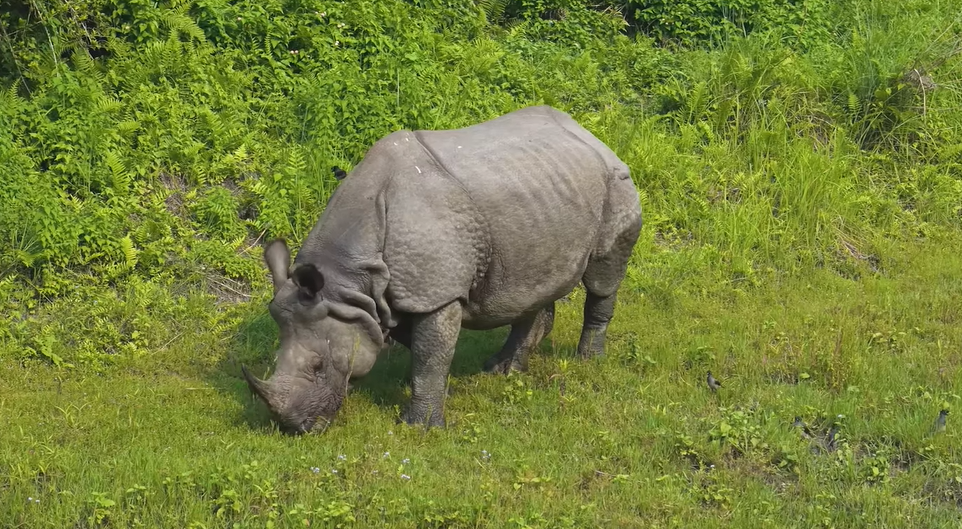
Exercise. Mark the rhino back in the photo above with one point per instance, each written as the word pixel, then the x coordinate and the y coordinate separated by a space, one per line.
pixel 502 215
pixel 541 190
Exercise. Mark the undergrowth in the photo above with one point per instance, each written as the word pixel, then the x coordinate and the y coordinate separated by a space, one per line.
pixel 160 144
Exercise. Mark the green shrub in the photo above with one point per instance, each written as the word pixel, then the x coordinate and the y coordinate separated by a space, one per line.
pixel 163 142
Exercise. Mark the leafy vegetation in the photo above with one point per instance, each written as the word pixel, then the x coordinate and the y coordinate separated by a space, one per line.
pixel 799 163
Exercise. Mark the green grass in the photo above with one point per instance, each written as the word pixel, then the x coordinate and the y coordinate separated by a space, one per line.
pixel 634 439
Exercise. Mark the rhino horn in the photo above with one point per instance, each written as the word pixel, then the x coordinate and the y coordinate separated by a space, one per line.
pixel 262 388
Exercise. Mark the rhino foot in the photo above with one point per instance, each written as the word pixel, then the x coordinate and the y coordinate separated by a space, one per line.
pixel 502 366
pixel 524 337
pixel 592 343
pixel 417 416
pixel 598 312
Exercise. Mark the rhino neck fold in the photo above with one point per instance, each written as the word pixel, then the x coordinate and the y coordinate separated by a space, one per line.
pixel 347 245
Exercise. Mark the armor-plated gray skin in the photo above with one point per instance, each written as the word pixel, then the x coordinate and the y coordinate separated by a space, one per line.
pixel 477 227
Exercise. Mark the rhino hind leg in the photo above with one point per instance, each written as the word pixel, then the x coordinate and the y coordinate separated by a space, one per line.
pixel 433 339
pixel 602 278
pixel 598 312
pixel 524 337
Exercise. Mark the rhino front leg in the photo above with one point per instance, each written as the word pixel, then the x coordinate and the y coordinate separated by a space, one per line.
pixel 433 338
pixel 524 338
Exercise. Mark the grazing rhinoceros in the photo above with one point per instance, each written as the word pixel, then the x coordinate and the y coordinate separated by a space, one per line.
pixel 478 227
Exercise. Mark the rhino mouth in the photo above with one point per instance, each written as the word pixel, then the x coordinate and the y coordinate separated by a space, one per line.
pixel 313 426
pixel 320 425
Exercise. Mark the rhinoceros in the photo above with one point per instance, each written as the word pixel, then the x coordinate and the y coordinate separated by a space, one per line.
pixel 435 230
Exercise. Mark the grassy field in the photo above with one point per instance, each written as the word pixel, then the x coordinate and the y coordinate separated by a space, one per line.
pixel 800 170
pixel 631 440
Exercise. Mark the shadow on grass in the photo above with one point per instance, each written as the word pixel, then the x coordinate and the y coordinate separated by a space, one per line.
pixel 254 343
pixel 251 344
pixel 388 382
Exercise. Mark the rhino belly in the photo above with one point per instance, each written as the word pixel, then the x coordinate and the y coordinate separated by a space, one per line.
pixel 498 308
pixel 528 272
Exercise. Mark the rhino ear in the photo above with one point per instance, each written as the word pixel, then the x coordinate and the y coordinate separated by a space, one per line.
pixel 278 258
pixel 309 282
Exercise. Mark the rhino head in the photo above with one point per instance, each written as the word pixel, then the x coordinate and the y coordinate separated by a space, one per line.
pixel 324 341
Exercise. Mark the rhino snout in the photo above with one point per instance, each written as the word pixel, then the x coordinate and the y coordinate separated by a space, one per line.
pixel 298 406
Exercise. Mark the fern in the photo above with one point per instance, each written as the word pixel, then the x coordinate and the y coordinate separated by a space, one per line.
pixel 171 56
pixel 240 154
pixel 119 176
pixel 107 104
pixel 153 54
pixel 129 252
pixel 296 162
pixel 10 101
pixel 493 10
pixel 179 23
pixel 126 127
pixel 85 64
pixel 854 106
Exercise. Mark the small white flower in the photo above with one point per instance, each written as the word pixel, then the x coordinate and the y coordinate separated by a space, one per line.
pixel 29 498
pixel 389 432
pixel 386 455
pixel 336 42
pixel 342 457
pixel 334 471
pixel 239 19
pixel 374 472
pixel 405 476
pixel 36 500
pixel 315 470
pixel 405 461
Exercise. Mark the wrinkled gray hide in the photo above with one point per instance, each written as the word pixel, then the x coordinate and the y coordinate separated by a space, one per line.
pixel 436 230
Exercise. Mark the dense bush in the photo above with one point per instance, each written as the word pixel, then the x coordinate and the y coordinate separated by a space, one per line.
pixel 798 23
pixel 158 143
